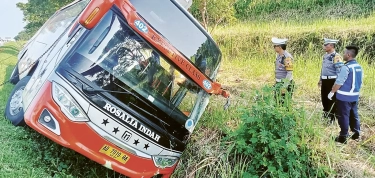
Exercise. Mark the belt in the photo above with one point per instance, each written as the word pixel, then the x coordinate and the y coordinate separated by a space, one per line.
pixel 328 77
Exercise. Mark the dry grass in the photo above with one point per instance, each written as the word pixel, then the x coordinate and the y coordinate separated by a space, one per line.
pixel 248 65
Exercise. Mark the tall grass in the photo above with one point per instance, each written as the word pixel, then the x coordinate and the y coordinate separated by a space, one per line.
pixel 248 65
pixel 305 39
pixel 247 50
pixel 302 10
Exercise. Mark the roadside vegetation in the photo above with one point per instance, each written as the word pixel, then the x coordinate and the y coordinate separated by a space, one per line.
pixel 255 137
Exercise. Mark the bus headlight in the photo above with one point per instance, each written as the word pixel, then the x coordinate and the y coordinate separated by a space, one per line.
pixel 32 87
pixel 67 104
pixel 164 161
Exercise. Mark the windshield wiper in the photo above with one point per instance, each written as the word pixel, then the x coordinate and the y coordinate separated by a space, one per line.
pixel 92 91
pixel 172 142
pixel 148 113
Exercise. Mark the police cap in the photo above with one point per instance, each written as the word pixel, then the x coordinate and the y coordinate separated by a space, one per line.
pixel 278 41
pixel 330 41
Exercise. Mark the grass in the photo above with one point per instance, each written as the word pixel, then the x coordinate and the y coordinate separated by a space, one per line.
pixel 26 153
pixel 242 77
pixel 247 65
pixel 302 10
pixel 293 27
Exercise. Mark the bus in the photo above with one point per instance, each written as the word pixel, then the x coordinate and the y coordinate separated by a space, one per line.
pixel 122 82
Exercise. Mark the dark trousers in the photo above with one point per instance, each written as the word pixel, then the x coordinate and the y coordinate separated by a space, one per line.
pixel 329 106
pixel 347 116
pixel 281 92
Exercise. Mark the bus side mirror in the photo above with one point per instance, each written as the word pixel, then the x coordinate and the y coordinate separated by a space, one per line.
pixel 185 3
pixel 94 11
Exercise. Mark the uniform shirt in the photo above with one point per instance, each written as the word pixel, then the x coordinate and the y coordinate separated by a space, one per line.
pixel 331 64
pixel 284 66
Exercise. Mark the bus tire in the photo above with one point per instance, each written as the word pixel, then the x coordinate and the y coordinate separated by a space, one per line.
pixel 14 108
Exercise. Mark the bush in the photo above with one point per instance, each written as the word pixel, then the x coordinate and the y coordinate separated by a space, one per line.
pixel 269 136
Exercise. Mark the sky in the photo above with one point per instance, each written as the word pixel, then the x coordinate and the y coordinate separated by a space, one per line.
pixel 10 18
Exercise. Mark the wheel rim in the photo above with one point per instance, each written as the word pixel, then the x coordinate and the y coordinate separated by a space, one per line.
pixel 16 104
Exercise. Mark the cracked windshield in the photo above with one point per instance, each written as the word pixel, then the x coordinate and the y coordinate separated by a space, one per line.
pixel 115 58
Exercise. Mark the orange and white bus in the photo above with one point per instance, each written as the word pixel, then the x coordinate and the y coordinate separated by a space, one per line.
pixel 122 82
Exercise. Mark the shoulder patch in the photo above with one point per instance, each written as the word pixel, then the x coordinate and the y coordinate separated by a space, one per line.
pixel 288 63
pixel 337 59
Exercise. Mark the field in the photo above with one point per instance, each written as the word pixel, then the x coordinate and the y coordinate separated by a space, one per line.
pixel 247 66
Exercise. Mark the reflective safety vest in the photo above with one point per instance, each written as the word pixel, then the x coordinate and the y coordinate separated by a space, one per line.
pixel 349 91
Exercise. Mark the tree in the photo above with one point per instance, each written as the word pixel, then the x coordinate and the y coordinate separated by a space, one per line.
pixel 23 36
pixel 36 12
pixel 212 13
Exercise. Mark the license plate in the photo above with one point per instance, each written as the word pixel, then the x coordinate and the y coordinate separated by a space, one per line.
pixel 114 153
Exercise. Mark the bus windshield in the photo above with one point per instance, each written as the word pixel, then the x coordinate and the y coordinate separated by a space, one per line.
pixel 115 58
pixel 181 32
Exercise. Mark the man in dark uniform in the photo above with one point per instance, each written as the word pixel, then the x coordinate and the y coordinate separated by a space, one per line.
pixel 283 69
pixel 154 61
pixel 347 88
pixel 332 62
pixel 201 62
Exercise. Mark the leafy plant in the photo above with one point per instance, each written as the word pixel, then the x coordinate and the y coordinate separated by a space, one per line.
pixel 268 135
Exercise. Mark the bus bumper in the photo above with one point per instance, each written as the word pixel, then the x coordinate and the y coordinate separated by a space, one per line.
pixel 79 137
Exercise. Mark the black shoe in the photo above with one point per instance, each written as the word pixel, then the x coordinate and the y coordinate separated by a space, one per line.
pixel 355 136
pixel 341 139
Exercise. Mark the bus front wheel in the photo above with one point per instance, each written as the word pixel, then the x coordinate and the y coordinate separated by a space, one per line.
pixel 14 108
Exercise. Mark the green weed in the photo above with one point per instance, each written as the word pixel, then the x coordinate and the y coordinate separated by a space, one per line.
pixel 270 136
